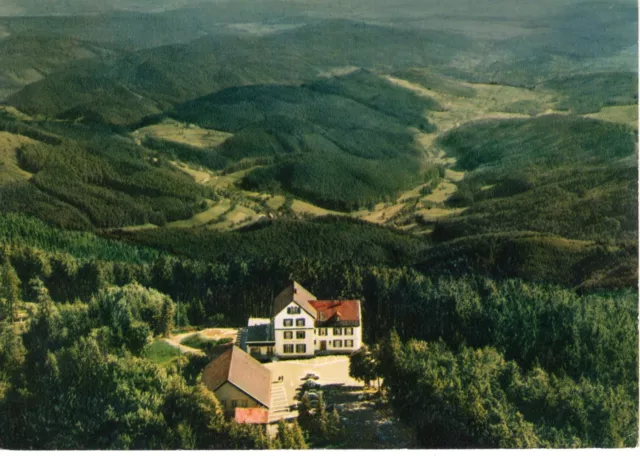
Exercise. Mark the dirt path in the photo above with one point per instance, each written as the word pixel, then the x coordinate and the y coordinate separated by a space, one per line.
pixel 209 333
pixel 176 339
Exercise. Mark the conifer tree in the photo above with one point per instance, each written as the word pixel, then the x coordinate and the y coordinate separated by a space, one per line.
pixel 282 435
pixel 166 317
pixel 38 292
pixel 297 435
pixel 9 291
pixel 320 419
pixel 334 427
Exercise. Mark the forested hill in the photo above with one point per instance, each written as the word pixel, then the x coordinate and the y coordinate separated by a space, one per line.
pixel 570 176
pixel 149 81
pixel 341 142
pixel 82 178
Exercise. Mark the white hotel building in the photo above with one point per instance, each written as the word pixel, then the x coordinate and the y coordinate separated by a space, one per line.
pixel 303 326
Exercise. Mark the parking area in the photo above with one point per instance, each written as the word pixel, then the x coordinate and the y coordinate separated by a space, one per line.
pixel 332 370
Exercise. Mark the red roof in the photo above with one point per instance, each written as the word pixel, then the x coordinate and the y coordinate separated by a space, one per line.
pixel 341 310
pixel 252 415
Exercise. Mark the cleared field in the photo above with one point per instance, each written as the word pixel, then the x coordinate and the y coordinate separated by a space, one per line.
pixel 413 193
pixel 204 217
pixel 442 192
pixel 200 176
pixel 276 202
pixel 454 176
pixel 235 218
pixel 9 169
pixel 190 135
pixel 382 214
pixel 627 114
pixel 433 214
pixel 15 113
pixel 228 180
pixel 302 207
pixel 490 101
pixel 146 226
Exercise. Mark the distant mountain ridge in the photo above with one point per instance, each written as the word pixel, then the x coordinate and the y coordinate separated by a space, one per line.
pixel 145 82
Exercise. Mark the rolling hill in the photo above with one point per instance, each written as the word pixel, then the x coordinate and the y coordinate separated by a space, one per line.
pixel 141 83
pixel 341 142
pixel 89 179
pixel 570 176
pixel 25 58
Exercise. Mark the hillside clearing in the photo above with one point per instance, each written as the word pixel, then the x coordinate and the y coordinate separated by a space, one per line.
pixel 182 133
pixel 9 169
pixel 627 114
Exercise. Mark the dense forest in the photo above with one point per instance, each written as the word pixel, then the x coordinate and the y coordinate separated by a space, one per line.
pixel 540 333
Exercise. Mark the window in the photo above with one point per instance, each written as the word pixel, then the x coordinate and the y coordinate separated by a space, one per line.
pixel 293 310
pixel 288 348
pixel 337 331
pixel 348 343
pixel 234 404
pixel 244 403
pixel 348 331
pixel 300 334
pixel 301 348
pixel 270 350
pixel 322 331
pixel 288 334
pixel 288 322
pixel 300 322
pixel 337 344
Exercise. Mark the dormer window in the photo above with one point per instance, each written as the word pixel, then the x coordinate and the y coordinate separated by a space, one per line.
pixel 293 310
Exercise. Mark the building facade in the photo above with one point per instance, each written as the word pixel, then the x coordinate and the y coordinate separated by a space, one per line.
pixel 304 326
pixel 238 381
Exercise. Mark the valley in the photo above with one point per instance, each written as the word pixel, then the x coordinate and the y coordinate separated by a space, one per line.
pixel 416 210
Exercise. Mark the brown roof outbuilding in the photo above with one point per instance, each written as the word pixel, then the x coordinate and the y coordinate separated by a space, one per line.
pixel 242 371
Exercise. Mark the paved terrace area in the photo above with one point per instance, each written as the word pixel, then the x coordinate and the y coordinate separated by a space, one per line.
pixel 332 370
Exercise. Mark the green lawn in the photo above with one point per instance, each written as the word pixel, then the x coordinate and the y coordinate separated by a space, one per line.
pixel 161 352
pixel 202 343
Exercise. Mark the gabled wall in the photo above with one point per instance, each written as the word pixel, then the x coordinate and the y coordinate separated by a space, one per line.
pixel 228 393
pixel 307 329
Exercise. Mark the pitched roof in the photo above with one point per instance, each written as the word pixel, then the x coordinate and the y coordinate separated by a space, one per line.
pixel 296 293
pixel 252 415
pixel 333 312
pixel 241 370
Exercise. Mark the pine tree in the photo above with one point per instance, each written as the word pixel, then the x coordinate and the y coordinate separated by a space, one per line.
pixel 320 419
pixel 282 435
pixel 298 436
pixel 262 441
pixel 38 292
pixel 304 415
pixel 334 427
pixel 165 325
pixel 9 291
